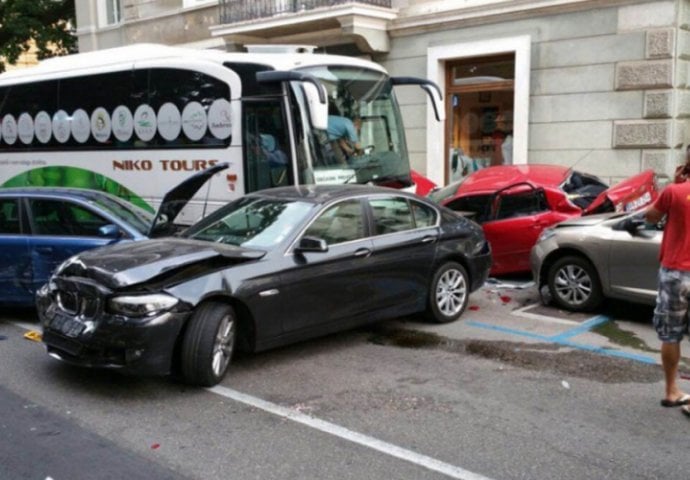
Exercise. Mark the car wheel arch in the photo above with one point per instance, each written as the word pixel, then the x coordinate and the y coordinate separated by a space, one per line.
pixel 461 259
pixel 246 338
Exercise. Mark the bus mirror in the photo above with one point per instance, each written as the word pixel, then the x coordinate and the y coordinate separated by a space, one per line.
pixel 318 112
pixel 431 89
pixel 314 91
pixel 436 102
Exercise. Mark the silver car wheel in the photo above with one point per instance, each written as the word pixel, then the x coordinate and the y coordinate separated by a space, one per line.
pixel 208 343
pixel 451 291
pixel 223 346
pixel 573 284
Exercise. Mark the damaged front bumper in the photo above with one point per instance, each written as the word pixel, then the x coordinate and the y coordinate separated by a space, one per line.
pixel 79 329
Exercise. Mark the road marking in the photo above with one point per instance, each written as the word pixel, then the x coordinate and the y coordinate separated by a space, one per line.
pixel 520 312
pixel 429 463
pixel 561 339
pixel 582 328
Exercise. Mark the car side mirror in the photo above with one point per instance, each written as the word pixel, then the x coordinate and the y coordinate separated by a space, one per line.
pixel 632 226
pixel 312 244
pixel 110 231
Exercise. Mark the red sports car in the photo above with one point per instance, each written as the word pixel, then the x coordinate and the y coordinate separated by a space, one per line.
pixel 514 203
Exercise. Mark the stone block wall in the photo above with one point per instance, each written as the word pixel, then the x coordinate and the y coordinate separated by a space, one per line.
pixel 661 76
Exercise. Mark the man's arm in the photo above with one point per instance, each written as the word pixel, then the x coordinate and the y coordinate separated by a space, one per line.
pixel 656 211
pixel 652 215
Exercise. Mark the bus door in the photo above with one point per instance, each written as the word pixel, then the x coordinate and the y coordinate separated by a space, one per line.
pixel 266 141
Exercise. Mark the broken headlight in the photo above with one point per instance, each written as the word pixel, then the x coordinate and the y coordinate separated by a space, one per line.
pixel 141 305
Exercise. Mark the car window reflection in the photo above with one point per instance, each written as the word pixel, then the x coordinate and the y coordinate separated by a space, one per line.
pixel 343 222
pixel 252 222
pixel 392 215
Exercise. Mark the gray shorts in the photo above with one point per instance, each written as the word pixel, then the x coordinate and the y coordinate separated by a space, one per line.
pixel 671 312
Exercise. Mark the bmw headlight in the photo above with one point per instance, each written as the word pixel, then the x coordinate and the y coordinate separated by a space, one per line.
pixel 141 305
pixel 546 234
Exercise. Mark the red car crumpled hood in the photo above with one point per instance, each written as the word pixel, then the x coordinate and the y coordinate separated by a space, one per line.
pixel 627 195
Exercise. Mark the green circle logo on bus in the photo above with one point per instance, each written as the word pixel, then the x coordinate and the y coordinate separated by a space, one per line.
pixel 76 178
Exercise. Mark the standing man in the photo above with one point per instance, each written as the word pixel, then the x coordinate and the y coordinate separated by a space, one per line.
pixel 671 312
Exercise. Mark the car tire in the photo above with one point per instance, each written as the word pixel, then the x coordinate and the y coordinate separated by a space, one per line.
pixel 574 284
pixel 449 293
pixel 208 344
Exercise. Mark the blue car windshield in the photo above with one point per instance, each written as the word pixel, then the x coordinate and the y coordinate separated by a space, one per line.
pixel 136 217
pixel 252 222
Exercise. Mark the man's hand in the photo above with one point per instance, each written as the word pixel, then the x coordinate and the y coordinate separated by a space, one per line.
pixel 652 215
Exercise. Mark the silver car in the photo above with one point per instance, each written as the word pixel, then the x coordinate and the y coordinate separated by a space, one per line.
pixel 585 260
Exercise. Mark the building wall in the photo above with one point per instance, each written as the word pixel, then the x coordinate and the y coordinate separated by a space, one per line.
pixel 608 86
pixel 148 21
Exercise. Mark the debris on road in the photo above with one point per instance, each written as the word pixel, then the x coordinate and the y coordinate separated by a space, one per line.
pixel 33 335
pixel 496 284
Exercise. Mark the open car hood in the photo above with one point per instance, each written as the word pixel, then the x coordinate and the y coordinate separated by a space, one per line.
pixel 176 199
pixel 627 195
pixel 131 263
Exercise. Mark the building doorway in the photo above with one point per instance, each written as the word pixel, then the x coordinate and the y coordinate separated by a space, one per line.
pixel 480 93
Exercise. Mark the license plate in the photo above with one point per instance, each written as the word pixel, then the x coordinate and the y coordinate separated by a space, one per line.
pixel 66 325
pixel 66 345
pixel 638 202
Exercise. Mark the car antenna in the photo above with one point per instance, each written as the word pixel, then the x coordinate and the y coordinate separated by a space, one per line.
pixel 580 159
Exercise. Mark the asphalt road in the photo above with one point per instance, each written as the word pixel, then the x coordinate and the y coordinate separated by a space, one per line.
pixel 455 401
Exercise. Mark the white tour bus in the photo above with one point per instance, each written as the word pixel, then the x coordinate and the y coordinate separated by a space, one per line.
pixel 136 120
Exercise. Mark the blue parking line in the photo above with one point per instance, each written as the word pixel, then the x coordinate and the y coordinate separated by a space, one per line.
pixel 561 339
pixel 582 328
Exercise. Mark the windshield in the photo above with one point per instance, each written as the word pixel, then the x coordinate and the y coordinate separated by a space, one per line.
pixel 365 140
pixel 251 222
pixel 136 217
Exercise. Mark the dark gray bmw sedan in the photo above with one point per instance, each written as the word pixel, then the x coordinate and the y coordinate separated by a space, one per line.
pixel 268 269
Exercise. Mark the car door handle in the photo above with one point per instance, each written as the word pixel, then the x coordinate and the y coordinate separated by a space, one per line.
pixel 362 252
pixel 44 249
pixel 429 239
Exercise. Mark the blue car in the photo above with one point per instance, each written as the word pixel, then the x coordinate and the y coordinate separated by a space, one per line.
pixel 41 227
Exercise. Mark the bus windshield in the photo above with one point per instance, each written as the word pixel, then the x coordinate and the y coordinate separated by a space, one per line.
pixel 365 140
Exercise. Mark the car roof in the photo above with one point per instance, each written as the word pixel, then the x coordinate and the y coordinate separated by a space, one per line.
pixel 491 179
pixel 63 192
pixel 325 193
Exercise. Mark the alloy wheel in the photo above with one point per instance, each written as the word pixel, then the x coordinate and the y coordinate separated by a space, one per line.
pixel 451 291
pixel 223 346
pixel 573 284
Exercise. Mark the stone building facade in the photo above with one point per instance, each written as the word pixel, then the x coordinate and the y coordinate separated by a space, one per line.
pixel 602 85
